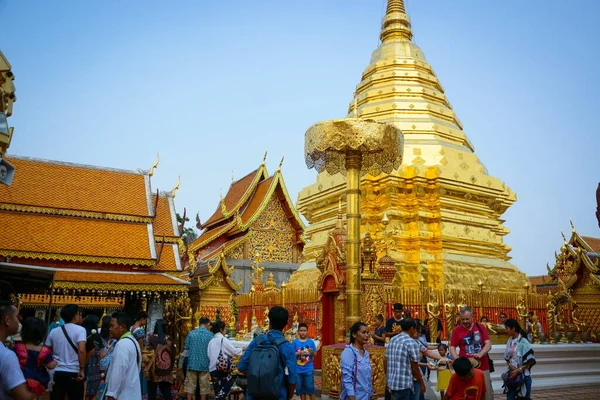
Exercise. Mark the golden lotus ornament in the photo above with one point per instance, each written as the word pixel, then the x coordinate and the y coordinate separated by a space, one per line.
pixel 353 147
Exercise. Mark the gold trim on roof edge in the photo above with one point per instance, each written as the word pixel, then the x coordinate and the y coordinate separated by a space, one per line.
pixel 176 287
pixel 224 228
pixel 68 257
pixel 74 213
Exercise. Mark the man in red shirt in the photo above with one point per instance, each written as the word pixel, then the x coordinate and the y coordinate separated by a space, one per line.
pixel 468 383
pixel 473 341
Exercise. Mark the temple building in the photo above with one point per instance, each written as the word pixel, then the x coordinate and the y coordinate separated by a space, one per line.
pixel 255 227
pixel 444 209
pixel 577 271
pixel 103 237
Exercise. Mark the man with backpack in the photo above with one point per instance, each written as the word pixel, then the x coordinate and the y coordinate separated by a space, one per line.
pixel 270 362
pixel 67 343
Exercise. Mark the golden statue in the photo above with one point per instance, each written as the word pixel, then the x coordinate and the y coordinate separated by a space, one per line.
pixel 462 298
pixel 266 320
pixel 294 329
pixel 449 314
pixel 535 328
pixel 184 316
pixel 232 323
pixel 580 325
pixel 551 315
pixel 522 312
pixel 433 313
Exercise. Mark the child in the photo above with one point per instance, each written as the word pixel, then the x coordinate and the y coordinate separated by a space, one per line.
pixel 468 383
pixel 379 332
pixel 305 350
pixel 443 370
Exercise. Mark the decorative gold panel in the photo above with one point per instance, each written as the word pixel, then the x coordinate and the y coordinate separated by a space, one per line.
pixel 272 234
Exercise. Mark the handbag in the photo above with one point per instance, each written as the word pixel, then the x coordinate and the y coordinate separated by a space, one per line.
pixel 223 363
pixel 513 383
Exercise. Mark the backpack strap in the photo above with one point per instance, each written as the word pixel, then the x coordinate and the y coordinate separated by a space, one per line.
pixel 69 339
pixel 137 353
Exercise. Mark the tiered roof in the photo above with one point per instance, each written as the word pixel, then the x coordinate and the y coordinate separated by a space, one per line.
pixel 229 225
pixel 94 218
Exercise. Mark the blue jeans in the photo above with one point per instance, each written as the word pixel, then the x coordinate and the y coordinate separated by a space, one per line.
pixel 417 391
pixel 404 394
pixel 306 384
pixel 512 393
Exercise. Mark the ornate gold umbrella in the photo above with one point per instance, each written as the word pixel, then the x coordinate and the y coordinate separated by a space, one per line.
pixel 354 147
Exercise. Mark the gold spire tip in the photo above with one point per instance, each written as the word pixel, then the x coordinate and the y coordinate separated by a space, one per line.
pixel 264 161
pixel 176 186
pixel 155 165
pixel 281 162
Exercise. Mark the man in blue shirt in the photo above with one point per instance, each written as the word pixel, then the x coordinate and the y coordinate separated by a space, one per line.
pixel 196 344
pixel 57 322
pixel 278 319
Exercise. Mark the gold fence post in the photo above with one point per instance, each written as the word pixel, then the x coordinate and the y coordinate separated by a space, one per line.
pixel 480 284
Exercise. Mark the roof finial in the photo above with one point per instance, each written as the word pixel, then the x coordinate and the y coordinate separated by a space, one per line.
pixel 396 25
pixel 265 158
pixel 154 165
pixel 572 226
pixel 176 187
pixel 232 177
pixel 281 162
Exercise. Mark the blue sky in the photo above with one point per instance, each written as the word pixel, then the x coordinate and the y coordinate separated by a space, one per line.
pixel 211 85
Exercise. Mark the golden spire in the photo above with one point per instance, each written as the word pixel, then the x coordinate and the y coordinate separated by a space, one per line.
pixel 265 158
pixel 176 187
pixel 396 25
pixel 281 162
pixel 155 165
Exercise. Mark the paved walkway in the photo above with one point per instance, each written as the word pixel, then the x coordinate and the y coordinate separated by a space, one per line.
pixel 582 393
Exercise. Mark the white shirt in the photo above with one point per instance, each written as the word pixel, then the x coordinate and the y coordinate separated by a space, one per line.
pixel 214 347
pixel 123 375
pixel 67 359
pixel 10 372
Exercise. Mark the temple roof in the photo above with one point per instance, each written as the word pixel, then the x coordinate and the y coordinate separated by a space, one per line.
pixel 78 213
pixel 592 242
pixel 250 205
pixel 205 273
pixel 113 280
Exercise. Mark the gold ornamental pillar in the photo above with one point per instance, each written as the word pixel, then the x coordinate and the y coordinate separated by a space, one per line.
pixel 353 147
pixel 353 165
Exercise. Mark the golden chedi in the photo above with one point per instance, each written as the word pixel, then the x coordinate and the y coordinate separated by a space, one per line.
pixel 444 209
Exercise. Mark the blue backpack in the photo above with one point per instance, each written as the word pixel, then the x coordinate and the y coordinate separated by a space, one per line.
pixel 264 381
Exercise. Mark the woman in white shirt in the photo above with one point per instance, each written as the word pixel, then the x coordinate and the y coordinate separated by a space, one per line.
pixel 220 351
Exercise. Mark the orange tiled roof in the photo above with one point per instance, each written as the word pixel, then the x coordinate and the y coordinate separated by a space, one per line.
pixel 593 242
pixel 163 223
pixel 224 247
pixel 41 234
pixel 167 258
pixel 540 280
pixel 234 195
pixel 75 187
pixel 115 277
pixel 257 199
pixel 210 234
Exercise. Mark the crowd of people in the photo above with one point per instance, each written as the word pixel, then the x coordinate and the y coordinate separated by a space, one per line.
pixel 463 366
pixel 114 358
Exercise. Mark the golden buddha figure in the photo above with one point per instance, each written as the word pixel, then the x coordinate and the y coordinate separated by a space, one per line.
pixel 294 329
pixel 535 329
pixel 522 312
pixel 266 319
pixel 462 302
pixel 551 315
pixel 449 314
pixel 232 323
pixel 433 313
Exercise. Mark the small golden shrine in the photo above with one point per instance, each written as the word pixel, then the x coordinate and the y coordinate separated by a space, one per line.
pixel 577 271
pixel 444 209
pixel 109 242
pixel 255 223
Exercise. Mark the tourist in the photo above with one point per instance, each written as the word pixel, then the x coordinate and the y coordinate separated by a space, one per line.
pixel 305 351
pixel 468 382
pixel 12 381
pixel 473 341
pixel 108 344
pixel 139 333
pixel 392 327
pixel 530 327
pixel 123 376
pixel 424 352
pixel 68 347
pixel 484 320
pixel 378 334
pixel 285 382
pixel 444 373
pixel 159 371
pixel 57 322
pixel 35 359
pixel 503 318
pixel 519 358
pixel 357 381
pixel 402 363
pixel 93 347
pixel 196 344
pixel 220 351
